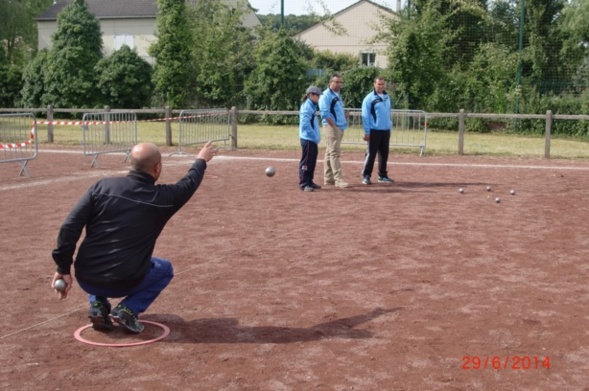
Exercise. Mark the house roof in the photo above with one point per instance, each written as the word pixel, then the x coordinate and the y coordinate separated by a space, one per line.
pixel 107 9
pixel 382 7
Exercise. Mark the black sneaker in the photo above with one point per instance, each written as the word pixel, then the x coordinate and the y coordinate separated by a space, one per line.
pixel 307 189
pixel 385 179
pixel 315 186
pixel 126 318
pixel 367 180
pixel 98 315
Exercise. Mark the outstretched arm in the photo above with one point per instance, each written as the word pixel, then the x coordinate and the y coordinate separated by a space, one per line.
pixel 207 152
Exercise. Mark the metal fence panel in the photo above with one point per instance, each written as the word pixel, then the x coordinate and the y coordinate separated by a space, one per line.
pixel 18 140
pixel 201 126
pixel 409 129
pixel 108 132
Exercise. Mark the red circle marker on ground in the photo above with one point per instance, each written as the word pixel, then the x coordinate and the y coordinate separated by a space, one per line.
pixel 78 336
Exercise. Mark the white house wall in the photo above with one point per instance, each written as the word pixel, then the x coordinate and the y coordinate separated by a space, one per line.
pixel 142 31
pixel 45 32
pixel 361 23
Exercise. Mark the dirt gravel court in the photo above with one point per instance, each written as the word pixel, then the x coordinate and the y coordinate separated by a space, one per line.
pixel 409 286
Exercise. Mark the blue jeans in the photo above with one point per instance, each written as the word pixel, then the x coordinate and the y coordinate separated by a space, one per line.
pixel 140 297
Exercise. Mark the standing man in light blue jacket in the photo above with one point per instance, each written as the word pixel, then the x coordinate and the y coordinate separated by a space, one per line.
pixel 310 136
pixel 376 120
pixel 335 121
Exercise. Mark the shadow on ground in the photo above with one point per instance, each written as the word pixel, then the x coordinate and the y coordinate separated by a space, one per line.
pixel 228 330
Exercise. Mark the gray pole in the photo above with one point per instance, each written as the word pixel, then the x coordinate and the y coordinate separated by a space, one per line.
pixel 282 12
pixel 547 134
pixel 50 134
pixel 461 132
pixel 168 114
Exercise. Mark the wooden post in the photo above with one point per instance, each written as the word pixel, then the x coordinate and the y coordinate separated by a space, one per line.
pixel 50 134
pixel 461 132
pixel 168 126
pixel 233 119
pixel 107 125
pixel 547 134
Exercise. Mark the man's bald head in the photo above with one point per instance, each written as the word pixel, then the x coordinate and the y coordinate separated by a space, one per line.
pixel 145 157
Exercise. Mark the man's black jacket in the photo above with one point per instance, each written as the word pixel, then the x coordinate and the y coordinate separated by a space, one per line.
pixel 123 219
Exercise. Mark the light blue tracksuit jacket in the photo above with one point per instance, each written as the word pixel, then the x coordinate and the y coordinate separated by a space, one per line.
pixel 376 112
pixel 308 122
pixel 331 106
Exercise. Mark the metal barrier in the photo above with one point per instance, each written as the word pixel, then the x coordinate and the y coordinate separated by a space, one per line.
pixel 409 129
pixel 201 126
pixel 108 132
pixel 18 139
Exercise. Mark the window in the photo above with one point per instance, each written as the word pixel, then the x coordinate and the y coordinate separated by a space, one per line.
pixel 124 39
pixel 315 73
pixel 368 59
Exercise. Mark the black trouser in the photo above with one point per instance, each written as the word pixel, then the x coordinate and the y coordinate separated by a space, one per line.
pixel 379 143
pixel 307 163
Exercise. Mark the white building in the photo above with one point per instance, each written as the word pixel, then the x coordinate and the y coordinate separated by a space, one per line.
pixel 360 23
pixel 130 22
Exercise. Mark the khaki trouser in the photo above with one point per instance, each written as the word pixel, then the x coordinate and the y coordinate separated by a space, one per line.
pixel 332 172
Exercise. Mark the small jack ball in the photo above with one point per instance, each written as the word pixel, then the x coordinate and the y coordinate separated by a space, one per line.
pixel 497 200
pixel 512 192
pixel 461 190
pixel 270 171
pixel 488 188
pixel 59 285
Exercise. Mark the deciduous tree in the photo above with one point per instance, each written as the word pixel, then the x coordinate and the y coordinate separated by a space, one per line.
pixel 34 81
pixel 18 30
pixel 417 54
pixel 173 66
pixel 278 80
pixel 124 79
pixel 222 52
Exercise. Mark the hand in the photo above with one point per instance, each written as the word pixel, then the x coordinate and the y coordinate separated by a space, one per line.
pixel 68 280
pixel 207 152
pixel 367 137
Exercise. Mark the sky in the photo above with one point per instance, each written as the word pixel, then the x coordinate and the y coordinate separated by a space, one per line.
pixel 303 7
